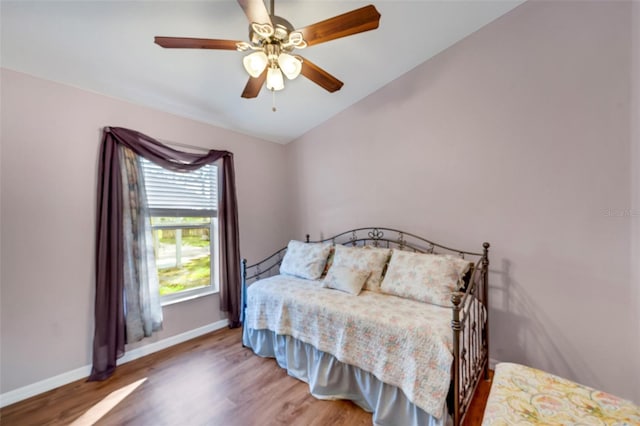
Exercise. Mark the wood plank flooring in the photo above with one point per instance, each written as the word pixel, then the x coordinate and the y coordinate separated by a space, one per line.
pixel 211 380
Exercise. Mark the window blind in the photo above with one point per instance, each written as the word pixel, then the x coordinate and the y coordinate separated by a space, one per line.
pixel 172 193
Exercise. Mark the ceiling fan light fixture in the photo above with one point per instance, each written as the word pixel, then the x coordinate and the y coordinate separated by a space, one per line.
pixel 255 63
pixel 274 79
pixel 290 65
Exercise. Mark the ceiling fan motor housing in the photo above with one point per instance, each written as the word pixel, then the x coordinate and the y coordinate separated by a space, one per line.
pixel 281 29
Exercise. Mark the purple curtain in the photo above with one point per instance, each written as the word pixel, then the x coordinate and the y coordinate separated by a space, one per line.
pixel 109 337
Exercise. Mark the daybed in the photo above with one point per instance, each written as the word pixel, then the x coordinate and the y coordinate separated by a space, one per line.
pixel 392 321
pixel 523 395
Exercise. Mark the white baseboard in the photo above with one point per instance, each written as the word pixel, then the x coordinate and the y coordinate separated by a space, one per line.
pixel 45 385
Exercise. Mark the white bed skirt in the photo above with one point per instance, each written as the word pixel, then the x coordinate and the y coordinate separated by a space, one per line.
pixel 329 378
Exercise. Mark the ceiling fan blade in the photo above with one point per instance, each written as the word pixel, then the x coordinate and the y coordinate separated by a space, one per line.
pixel 354 22
pixel 256 11
pixel 320 76
pixel 252 89
pixel 196 43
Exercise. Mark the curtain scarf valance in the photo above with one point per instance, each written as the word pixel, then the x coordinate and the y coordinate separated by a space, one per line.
pixel 110 335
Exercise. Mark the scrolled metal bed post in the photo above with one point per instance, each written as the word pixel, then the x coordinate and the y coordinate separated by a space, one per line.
pixel 485 295
pixel 456 298
pixel 243 293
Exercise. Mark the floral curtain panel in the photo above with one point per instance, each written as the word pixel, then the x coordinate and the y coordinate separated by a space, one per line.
pixel 117 246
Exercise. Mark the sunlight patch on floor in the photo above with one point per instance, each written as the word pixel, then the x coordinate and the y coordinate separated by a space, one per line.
pixel 95 413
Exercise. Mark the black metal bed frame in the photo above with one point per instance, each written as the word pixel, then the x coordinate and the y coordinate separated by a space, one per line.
pixel 470 336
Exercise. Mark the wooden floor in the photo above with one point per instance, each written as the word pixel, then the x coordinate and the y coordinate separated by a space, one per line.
pixel 211 380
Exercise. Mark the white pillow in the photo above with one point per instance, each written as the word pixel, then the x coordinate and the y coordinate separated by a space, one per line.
pixel 305 260
pixel 368 259
pixel 346 279
pixel 424 277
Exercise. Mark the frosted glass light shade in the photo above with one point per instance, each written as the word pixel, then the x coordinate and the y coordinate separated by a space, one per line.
pixel 290 65
pixel 255 63
pixel 274 79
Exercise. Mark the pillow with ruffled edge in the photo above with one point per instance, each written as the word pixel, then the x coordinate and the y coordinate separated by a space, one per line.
pixel 346 279
pixel 424 277
pixel 305 260
pixel 369 259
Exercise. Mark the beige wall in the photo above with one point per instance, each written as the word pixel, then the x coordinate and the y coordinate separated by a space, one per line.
pixel 50 141
pixel 518 135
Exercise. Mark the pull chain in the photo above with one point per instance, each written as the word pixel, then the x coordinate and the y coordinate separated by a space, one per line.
pixel 273 100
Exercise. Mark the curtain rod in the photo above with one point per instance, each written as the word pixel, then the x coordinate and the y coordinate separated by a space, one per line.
pixel 184 145
pixel 174 144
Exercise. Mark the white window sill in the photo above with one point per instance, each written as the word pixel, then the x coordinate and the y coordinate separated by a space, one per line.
pixel 186 297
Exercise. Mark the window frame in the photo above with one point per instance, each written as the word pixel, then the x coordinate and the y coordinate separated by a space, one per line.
pixel 214 245
pixel 214 282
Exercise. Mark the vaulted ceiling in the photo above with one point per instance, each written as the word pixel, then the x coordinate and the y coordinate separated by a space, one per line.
pixel 107 47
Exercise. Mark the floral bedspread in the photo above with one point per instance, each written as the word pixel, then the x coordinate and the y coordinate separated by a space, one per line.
pixel 525 396
pixel 402 342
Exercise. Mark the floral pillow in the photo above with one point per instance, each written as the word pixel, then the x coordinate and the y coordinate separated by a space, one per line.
pixel 305 260
pixel 372 260
pixel 424 277
pixel 346 279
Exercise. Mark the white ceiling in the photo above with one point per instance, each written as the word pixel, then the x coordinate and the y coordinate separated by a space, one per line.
pixel 107 47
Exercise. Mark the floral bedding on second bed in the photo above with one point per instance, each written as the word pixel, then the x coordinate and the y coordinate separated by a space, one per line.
pixel 522 395
pixel 402 342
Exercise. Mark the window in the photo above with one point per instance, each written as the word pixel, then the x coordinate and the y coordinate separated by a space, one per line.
pixel 184 220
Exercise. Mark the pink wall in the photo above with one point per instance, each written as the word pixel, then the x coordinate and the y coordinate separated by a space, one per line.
pixel 50 140
pixel 518 135
pixel 522 134
pixel 635 167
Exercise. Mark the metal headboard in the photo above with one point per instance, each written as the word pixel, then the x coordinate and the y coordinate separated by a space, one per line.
pixel 375 237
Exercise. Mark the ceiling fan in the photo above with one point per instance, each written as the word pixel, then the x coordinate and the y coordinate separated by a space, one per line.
pixel 273 39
